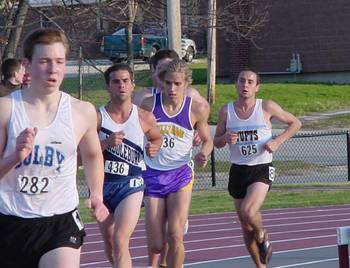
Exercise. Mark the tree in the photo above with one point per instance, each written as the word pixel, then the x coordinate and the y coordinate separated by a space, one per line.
pixel 243 19
pixel 87 22
pixel 11 31
pixel 125 13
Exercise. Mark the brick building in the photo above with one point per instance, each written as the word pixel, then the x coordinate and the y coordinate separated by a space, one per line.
pixel 315 33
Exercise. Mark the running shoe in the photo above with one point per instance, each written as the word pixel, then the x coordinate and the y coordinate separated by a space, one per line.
pixel 265 249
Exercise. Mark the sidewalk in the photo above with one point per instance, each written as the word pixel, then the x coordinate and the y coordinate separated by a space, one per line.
pixel 100 65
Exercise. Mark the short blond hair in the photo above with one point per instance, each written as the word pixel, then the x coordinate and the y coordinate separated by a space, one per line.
pixel 176 66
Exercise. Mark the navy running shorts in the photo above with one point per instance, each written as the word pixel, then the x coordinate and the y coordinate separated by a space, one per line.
pixel 114 191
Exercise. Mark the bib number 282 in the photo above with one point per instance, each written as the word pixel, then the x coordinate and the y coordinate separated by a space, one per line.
pixel 33 185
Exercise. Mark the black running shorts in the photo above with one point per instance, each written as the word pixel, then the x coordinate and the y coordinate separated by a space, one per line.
pixel 23 241
pixel 241 176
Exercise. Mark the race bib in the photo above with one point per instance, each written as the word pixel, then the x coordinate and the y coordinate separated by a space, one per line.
pixel 117 168
pixel 272 173
pixel 248 150
pixel 77 220
pixel 33 185
pixel 168 142
pixel 136 182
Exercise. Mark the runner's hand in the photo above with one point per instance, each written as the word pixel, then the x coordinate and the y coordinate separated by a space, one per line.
pixel 196 139
pixel 272 146
pixel 151 149
pixel 97 209
pixel 115 138
pixel 201 159
pixel 25 143
pixel 231 137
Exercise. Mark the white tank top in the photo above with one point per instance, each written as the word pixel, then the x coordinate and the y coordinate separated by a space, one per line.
pixel 253 134
pixel 123 160
pixel 44 184
pixel 177 132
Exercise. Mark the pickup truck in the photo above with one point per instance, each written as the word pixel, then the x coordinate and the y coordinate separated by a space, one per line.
pixel 114 46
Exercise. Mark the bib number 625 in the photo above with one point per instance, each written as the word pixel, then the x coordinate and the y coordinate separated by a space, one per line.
pixel 247 150
pixel 33 185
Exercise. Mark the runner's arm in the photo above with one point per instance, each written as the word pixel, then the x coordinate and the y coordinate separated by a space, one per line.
pixel 219 138
pixel 24 142
pixel 152 132
pixel 92 159
pixel 201 113
pixel 273 110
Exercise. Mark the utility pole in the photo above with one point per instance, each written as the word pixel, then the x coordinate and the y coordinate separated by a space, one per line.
pixel 211 72
pixel 132 10
pixel 174 25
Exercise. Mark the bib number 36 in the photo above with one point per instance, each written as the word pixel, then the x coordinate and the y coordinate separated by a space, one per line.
pixel 33 185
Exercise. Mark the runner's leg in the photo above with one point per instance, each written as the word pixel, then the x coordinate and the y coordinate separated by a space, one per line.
pixel 126 216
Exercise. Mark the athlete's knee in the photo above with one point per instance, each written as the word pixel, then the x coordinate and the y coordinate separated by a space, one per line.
pixel 247 228
pixel 156 248
pixel 122 240
pixel 248 215
pixel 175 239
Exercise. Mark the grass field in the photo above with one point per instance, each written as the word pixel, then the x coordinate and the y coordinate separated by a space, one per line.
pixel 280 196
pixel 299 99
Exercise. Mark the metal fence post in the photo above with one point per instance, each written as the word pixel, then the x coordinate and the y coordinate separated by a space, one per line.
pixel 213 176
pixel 80 63
pixel 348 153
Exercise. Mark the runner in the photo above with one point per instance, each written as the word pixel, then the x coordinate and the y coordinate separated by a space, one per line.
pixel 169 176
pixel 122 129
pixel 41 128
pixel 246 126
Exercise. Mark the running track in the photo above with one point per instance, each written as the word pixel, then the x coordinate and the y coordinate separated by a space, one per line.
pixel 301 237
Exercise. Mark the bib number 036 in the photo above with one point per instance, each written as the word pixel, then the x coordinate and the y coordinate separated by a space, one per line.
pixel 33 185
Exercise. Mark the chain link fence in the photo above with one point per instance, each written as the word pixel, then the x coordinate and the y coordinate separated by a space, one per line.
pixel 305 158
pixel 311 157
pixel 84 79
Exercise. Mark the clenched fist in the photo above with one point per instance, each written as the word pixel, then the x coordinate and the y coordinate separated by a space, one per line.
pixel 151 149
pixel 25 143
pixel 231 137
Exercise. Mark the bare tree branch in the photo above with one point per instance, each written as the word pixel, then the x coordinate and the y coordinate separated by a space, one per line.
pixel 243 18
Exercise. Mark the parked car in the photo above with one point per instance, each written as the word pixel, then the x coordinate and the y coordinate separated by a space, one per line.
pixel 114 46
